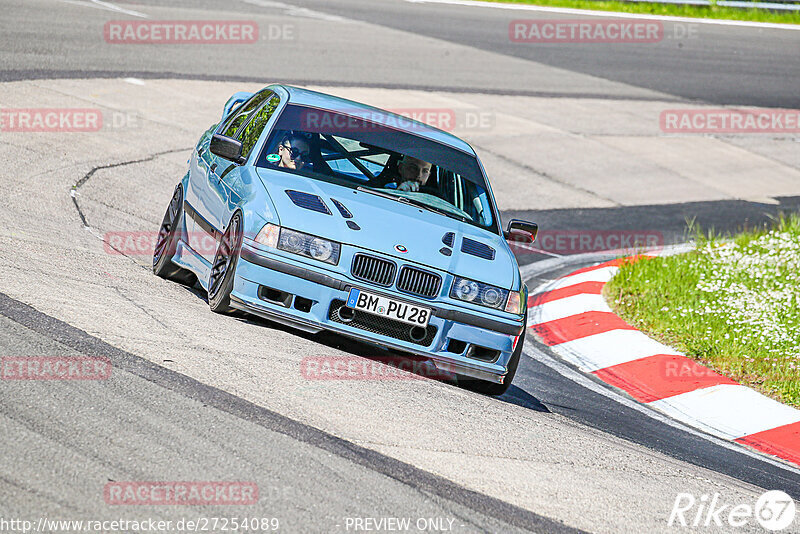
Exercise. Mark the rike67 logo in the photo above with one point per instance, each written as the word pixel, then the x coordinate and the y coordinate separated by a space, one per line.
pixel 774 511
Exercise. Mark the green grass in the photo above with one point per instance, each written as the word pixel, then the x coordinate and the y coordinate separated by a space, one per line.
pixel 733 304
pixel 702 12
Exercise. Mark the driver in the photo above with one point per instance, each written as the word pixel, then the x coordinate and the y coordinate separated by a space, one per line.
pixel 412 174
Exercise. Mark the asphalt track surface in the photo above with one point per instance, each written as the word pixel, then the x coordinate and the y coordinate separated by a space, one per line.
pixel 156 420
pixel 729 65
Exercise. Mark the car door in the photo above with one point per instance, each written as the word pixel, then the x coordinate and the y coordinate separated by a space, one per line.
pixel 208 197
pixel 230 183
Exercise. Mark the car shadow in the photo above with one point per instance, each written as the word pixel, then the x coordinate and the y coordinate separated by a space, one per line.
pixel 519 397
pixel 416 365
pixel 421 367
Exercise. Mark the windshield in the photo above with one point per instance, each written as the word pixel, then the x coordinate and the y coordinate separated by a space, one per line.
pixel 373 157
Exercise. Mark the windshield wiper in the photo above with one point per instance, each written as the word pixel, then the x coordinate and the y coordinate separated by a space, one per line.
pixel 377 193
pixel 413 202
pixel 420 204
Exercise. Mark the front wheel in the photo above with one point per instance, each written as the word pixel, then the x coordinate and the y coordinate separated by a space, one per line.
pixel 223 269
pixel 492 388
pixel 167 242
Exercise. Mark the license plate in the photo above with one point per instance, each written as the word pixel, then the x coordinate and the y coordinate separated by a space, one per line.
pixel 386 307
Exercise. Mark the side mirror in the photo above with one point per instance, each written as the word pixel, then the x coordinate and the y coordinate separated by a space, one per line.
pixel 234 102
pixel 226 147
pixel 521 231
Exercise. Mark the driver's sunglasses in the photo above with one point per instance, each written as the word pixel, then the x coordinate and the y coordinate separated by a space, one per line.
pixel 295 153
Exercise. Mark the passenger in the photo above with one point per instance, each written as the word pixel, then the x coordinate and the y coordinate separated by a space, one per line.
pixel 294 152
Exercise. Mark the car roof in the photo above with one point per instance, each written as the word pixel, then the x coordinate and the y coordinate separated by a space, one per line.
pixel 307 97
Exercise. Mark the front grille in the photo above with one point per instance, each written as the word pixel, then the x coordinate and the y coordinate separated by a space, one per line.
pixel 419 282
pixel 380 325
pixel 372 269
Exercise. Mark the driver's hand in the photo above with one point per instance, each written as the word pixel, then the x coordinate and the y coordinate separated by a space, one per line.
pixel 409 186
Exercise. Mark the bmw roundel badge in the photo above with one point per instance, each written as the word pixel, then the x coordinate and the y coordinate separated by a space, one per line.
pixel 401 249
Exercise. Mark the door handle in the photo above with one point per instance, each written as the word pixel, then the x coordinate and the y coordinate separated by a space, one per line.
pixel 213 167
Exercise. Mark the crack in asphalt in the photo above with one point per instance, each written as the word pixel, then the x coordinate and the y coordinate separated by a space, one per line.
pixel 140 307
pixel 88 175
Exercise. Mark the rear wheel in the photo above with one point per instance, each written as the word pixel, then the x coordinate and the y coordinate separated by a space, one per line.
pixel 223 269
pixel 492 388
pixel 168 236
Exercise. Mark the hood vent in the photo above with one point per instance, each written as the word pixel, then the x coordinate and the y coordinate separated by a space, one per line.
pixel 449 238
pixel 308 201
pixel 342 209
pixel 475 248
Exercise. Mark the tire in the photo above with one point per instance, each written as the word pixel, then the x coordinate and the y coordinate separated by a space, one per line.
pixel 493 388
pixel 168 235
pixel 223 269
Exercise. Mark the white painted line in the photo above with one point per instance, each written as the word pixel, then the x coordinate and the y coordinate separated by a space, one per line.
pixel 294 11
pixel 531 248
pixel 566 307
pixel 599 351
pixel 99 4
pixel 133 81
pixel 550 264
pixel 609 14
pixel 728 411
pixel 645 409
pixel 602 274
pixel 112 7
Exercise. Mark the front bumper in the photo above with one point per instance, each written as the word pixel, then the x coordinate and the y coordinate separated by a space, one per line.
pixel 323 293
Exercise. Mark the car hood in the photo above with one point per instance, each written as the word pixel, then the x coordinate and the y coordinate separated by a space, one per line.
pixel 386 223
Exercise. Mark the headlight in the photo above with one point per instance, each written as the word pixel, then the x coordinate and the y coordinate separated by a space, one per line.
pixel 287 240
pixel 465 290
pixel 321 249
pixel 483 294
pixel 309 245
pixel 293 242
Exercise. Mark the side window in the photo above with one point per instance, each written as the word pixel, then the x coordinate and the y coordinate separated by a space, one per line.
pixel 244 113
pixel 250 134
